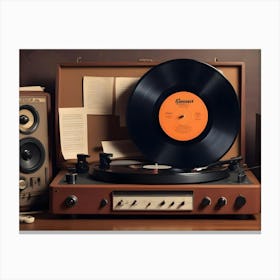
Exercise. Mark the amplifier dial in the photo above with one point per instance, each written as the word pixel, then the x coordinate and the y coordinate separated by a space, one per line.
pixel 240 201
pixel 134 202
pixel 120 203
pixel 71 201
pixel 162 203
pixel 205 202
pixel 182 203
pixel 222 201
pixel 103 202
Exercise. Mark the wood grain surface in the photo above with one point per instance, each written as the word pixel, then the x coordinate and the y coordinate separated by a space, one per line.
pixel 48 222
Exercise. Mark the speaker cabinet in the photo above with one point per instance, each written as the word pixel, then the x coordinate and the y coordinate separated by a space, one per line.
pixel 34 150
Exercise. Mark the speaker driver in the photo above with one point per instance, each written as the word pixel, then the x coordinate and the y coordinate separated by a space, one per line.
pixel 32 155
pixel 28 119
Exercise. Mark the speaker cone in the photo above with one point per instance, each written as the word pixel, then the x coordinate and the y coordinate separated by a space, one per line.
pixel 28 119
pixel 32 155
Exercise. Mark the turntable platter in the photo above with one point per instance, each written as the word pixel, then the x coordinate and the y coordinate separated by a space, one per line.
pixel 136 174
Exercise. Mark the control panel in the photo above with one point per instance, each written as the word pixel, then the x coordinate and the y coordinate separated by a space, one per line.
pixel 79 195
pixel 152 201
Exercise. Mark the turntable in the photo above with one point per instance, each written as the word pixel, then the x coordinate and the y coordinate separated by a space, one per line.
pixel 187 121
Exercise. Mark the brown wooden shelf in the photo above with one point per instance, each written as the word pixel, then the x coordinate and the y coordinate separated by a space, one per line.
pixel 48 222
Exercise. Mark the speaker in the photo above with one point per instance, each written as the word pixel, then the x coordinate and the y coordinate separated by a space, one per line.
pixel 34 150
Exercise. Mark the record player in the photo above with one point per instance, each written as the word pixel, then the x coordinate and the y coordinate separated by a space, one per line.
pixel 187 121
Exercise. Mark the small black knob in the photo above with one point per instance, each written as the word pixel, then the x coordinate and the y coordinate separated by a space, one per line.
pixel 182 203
pixel 120 203
pixel 241 177
pixel 23 119
pixel 205 202
pixel 71 178
pixel 162 203
pixel 103 202
pixel 222 201
pixel 240 201
pixel 71 201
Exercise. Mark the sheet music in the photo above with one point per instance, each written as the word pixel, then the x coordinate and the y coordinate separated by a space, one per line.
pixel 98 95
pixel 124 87
pixel 73 132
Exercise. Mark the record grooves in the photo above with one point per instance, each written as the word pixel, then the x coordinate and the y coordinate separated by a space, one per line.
pixel 183 113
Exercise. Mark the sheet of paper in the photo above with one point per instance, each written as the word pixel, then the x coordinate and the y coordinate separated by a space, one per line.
pixel 98 95
pixel 123 88
pixel 121 149
pixel 32 88
pixel 73 132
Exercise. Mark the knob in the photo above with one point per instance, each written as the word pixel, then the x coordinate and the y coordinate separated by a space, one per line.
pixel 23 119
pixel 240 201
pixel 103 202
pixel 241 177
pixel 222 201
pixel 22 184
pixel 182 203
pixel 162 203
pixel 71 201
pixel 205 202
pixel 172 203
pixel 71 178
pixel 120 203
pixel 134 202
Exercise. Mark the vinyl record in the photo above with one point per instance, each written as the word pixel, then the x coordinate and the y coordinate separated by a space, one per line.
pixel 183 113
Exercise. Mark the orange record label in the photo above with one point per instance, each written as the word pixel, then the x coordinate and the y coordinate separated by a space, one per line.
pixel 183 116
